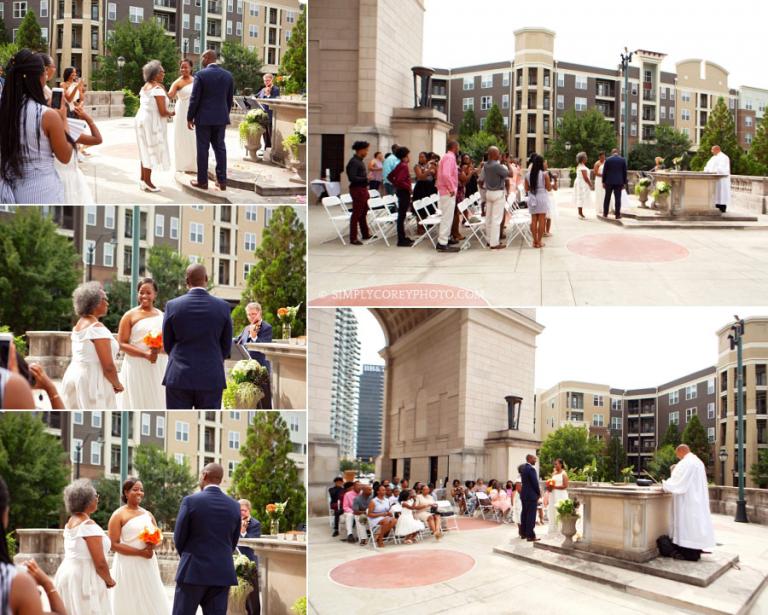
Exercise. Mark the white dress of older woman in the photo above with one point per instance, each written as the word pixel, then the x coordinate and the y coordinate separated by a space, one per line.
pixel 84 385
pixel 143 381
pixel 152 131
pixel 80 587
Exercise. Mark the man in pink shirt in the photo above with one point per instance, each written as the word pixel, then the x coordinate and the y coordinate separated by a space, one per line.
pixel 447 185
pixel 347 505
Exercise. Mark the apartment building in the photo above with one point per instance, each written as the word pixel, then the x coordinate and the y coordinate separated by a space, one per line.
pixel 582 404
pixel 370 412
pixel 345 385
pixel 752 106
pixel 13 11
pixel 267 27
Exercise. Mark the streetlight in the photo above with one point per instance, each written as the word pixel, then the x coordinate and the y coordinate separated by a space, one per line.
pixel 120 66
pixel 626 58
pixel 735 340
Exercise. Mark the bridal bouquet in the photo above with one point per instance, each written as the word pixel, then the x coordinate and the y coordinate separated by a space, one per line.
pixel 154 339
pixel 550 485
pixel 151 536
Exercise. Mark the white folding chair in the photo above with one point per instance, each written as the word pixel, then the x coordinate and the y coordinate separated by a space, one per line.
pixel 448 520
pixel 336 212
pixel 430 222
pixel 521 223
pixel 474 222
pixel 381 219
pixel 373 532
pixel 484 506
pixel 372 194
pixel 346 199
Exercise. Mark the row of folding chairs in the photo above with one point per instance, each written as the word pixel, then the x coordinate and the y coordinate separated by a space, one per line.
pixel 448 523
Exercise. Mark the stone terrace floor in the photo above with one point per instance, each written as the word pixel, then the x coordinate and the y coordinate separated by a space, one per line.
pixel 585 262
pixel 494 584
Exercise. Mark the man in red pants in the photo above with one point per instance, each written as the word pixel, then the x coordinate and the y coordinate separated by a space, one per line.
pixel 358 190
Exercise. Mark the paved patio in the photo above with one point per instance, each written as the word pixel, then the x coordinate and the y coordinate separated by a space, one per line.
pixel 494 584
pixel 585 262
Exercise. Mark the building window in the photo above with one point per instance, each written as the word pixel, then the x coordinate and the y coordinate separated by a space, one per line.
pixel 663 93
pixel 581 82
pixel 77 418
pixel 19 10
pixel 674 417
pixel 711 410
pixel 634 109
pixel 109 216
pixel 239 30
pixel 250 242
pixel 294 423
pixel 581 104
pixel 633 130
pixel 196 231
pixel 616 423
pixel 485 102
pixel 663 113
pixel 234 440
pixel 89 254
pixel 146 424
pixel 95 453
pixel 560 101
pixel 198 27
pixel 43 8
pixel 748 121
pixel 182 431
pixel 174 234
pixel 468 104
pixel 710 386
pixel 710 434
pixel 253 31
pixel 159 225
pixel 597 420
pixel 689 412
pixel 160 427
pixel 231 466
pixel 135 14
pixel 77 450
pixel 229 27
pixel 108 255
pixel 616 405
pixel 112 11
pixel 96 416
pixel 674 397
pixel 234 415
pixel 597 400
pixel 685 96
pixel 634 89
pixel 247 267
pixel 186 22
pixel 486 81
pixel 469 83
pixel 505 80
pixel 179 458
pixel 691 391
pixel 505 101
pixel 685 115
pixel 90 215
pixel 748 138
pixel 482 123
pixel 561 80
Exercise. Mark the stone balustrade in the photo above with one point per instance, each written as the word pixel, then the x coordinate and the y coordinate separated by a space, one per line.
pixel 105 104
pixel 722 500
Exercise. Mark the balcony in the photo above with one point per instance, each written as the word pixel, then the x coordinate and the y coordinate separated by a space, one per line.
pixel 605 90
pixel 214 7
pixel 165 4
pixel 649 95
pixel 213 29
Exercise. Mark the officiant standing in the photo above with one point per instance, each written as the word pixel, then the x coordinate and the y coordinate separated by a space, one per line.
pixel 721 164
pixel 692 523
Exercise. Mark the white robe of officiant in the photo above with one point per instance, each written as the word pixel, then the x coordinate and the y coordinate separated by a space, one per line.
pixel 720 164
pixel 692 523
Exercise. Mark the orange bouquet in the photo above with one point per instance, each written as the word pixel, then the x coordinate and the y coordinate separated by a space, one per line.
pixel 550 485
pixel 151 536
pixel 271 508
pixel 154 339
pixel 282 312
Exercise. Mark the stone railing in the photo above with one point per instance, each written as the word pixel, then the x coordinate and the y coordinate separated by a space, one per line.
pixel 282 562
pixel 722 500
pixel 103 104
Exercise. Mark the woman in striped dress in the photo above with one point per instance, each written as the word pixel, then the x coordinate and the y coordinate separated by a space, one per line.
pixel 31 135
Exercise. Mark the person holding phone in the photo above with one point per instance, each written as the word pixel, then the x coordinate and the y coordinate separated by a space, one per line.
pixel 73 88
pixel 15 392
pixel 31 135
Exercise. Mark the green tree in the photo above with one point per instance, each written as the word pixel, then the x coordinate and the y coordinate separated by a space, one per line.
pixel 39 269
pixel 294 65
pixel 4 38
pixel 758 152
pixel 278 279
pixel 468 125
pixel 477 145
pixel 165 483
pixel 759 470
pixel 662 460
pixel 669 144
pixel 266 474
pixel 586 131
pixel 120 301
pixel 671 436
pixel 34 466
pixel 244 64
pixel 7 51
pixel 572 444
pixel 612 459
pixel 720 130
pixel 494 124
pixel 29 34
pixel 109 499
pixel 138 44
pixel 168 269
pixel 695 436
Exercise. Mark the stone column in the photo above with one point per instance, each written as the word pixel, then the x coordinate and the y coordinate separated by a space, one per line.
pixel 420 130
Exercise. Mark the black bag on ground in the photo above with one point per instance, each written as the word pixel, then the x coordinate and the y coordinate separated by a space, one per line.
pixel 666 546
pixel 690 555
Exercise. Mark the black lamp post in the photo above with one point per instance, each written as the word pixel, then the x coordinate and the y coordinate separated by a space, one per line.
pixel 626 58
pixel 723 456
pixel 120 66
pixel 735 339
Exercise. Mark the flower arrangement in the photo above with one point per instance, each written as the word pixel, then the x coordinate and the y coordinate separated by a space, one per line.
pixel 550 484
pixel 567 508
pixel 274 512
pixel 151 536
pixel 661 188
pixel 297 137
pixel 245 385
pixel 254 123
pixel 677 162
pixel 627 473
pixel 642 184
pixel 154 339
pixel 287 316
pixel 247 574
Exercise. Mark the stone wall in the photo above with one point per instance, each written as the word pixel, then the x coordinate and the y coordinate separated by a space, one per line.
pixel 103 105
pixel 722 500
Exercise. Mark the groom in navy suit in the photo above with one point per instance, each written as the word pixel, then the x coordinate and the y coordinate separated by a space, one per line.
pixel 197 335
pixel 529 496
pixel 614 179
pixel 206 534
pixel 213 92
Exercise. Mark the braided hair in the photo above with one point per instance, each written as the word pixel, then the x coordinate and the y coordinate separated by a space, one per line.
pixel 537 165
pixel 22 84
pixel 5 498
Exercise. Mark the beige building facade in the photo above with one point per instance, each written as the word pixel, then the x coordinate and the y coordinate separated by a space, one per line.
pixel 267 28
pixel 700 83
pixel 582 404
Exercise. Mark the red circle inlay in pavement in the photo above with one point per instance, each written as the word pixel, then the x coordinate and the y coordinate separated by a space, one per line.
pixel 402 295
pixel 621 247
pixel 404 568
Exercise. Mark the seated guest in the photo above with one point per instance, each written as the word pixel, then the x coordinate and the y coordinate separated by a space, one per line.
pixel 500 499
pixel 258 332
pixel 336 494
pixel 351 491
pixel 389 492
pixel 425 510
pixel 407 525
pixel 457 493
pixel 360 508
pixel 380 516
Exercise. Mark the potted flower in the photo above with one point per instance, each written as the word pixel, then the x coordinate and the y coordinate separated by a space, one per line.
pixel 251 128
pixel 247 575
pixel 295 143
pixel 627 473
pixel 287 316
pixel 642 188
pixel 661 195
pixel 274 512
pixel 567 515
pixel 246 385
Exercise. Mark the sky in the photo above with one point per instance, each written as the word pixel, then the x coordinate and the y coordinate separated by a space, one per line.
pixel 465 32
pixel 625 347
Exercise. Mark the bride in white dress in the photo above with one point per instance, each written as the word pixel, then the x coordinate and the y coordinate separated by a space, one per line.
pixel 143 367
pixel 135 569
pixel 559 493
pixel 184 141
pixel 91 380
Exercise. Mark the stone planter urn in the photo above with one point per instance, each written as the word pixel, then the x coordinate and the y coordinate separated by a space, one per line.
pixel 662 201
pixel 253 143
pixel 568 529
pixel 643 196
pixel 236 606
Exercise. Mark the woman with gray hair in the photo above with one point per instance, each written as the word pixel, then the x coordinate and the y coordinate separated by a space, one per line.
pixel 583 185
pixel 91 381
pixel 83 578
pixel 152 126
